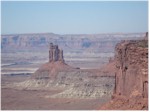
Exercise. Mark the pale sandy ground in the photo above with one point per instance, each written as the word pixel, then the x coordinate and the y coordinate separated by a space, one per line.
pixel 12 99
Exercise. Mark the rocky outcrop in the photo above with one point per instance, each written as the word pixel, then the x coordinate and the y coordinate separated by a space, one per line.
pixel 55 54
pixel 131 76
pixel 132 68
pixel 74 82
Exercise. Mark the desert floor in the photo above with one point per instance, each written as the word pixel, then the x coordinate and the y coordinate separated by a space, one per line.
pixel 12 99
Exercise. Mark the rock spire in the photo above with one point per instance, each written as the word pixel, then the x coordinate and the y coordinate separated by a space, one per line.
pixel 55 54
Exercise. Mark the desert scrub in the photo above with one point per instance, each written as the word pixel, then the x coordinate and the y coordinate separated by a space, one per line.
pixel 143 43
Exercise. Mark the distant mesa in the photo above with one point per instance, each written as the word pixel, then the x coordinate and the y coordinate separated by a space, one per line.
pixel 55 54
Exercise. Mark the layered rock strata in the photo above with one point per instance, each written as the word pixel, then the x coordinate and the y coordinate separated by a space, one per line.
pixel 132 68
pixel 74 82
pixel 131 76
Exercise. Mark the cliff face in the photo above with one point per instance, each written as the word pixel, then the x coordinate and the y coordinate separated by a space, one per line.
pixel 132 68
pixel 55 54
pixel 131 83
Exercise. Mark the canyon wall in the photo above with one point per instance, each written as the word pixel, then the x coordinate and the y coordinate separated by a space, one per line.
pixel 68 42
pixel 131 76
pixel 132 68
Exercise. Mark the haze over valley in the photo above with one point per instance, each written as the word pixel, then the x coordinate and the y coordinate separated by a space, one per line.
pixel 26 52
pixel 62 55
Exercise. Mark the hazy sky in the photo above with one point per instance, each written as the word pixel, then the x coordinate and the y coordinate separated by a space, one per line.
pixel 74 17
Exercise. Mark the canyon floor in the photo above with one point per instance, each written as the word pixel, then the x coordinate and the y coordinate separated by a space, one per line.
pixel 16 68
pixel 13 99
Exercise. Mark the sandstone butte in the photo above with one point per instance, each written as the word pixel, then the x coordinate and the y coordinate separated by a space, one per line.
pixel 56 64
pixel 131 73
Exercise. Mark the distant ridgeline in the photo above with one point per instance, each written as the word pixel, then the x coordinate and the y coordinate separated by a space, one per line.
pixel 87 42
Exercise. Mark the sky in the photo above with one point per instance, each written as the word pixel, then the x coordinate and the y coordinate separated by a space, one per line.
pixel 74 17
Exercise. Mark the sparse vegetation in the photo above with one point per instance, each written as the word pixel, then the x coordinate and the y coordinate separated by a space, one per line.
pixel 143 43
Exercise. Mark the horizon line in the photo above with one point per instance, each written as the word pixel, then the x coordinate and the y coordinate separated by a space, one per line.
pixel 73 33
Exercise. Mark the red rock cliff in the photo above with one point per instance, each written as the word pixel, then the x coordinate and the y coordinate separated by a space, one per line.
pixel 131 90
pixel 132 68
